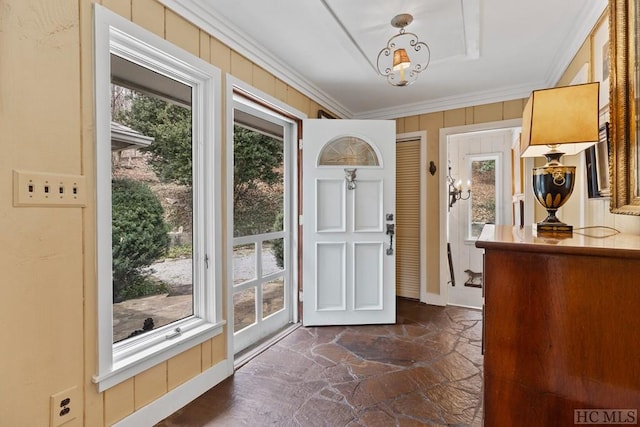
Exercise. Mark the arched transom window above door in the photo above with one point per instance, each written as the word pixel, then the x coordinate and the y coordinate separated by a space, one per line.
pixel 348 151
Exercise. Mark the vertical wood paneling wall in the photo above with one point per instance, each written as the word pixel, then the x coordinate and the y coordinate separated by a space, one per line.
pixel 47 255
pixel 41 269
pixel 133 394
pixel 597 210
pixel 432 123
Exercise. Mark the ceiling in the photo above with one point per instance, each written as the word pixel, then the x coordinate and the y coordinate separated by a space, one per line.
pixel 482 51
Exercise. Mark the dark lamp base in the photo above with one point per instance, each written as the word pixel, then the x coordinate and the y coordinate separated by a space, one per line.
pixel 552 186
pixel 555 228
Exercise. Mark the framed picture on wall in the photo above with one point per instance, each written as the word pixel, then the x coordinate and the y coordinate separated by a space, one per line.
pixel 600 59
pixel 597 157
pixel 322 114
pixel 597 161
pixel 592 172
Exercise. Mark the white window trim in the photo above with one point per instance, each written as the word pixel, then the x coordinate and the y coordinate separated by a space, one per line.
pixel 120 361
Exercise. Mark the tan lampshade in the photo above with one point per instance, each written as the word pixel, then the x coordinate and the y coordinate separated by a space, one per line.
pixel 400 60
pixel 565 115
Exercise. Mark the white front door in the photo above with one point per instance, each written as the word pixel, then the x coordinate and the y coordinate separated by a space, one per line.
pixel 348 210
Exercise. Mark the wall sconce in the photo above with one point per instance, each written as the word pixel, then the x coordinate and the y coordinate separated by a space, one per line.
pixel 558 121
pixel 350 177
pixel 404 57
pixel 455 190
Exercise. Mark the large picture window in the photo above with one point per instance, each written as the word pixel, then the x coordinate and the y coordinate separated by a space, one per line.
pixel 158 186
pixel 151 212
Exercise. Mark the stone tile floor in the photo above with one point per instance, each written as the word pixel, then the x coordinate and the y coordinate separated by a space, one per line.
pixel 425 370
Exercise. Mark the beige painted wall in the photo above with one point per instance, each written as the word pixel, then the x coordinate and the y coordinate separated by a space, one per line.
pixel 432 123
pixel 597 210
pixel 41 268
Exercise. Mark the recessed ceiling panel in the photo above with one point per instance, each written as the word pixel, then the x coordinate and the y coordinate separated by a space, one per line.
pixel 439 23
pixel 482 51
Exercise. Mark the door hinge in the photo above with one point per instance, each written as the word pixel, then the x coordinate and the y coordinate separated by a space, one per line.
pixel 300 220
pixel 300 296
pixel 300 142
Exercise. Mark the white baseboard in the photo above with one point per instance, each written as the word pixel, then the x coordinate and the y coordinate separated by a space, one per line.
pixel 471 307
pixel 436 299
pixel 180 396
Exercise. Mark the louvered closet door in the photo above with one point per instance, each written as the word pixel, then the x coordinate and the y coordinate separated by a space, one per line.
pixel 408 219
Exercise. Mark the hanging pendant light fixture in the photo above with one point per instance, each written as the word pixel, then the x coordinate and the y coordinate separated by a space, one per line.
pixel 404 57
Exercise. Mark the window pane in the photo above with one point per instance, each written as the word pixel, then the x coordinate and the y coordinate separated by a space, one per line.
pixel 244 263
pixel 348 151
pixel 258 186
pixel 244 306
pixel 152 213
pixel 272 297
pixel 272 256
pixel 483 195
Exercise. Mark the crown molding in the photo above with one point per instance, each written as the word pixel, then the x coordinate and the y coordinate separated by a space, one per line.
pixel 582 28
pixel 234 39
pixel 217 27
pixel 453 102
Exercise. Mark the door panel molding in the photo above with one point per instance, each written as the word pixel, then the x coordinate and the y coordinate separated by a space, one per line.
pixel 371 218
pixel 331 276
pixel 331 218
pixel 367 255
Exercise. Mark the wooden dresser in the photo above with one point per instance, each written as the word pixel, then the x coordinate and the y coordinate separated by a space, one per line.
pixel 561 326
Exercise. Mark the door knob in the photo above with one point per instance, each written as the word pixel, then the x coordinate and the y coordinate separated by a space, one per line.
pixel 391 229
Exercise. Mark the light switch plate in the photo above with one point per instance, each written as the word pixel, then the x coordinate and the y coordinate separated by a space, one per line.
pixel 48 189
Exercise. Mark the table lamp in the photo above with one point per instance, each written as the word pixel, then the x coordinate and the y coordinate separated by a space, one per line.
pixel 555 122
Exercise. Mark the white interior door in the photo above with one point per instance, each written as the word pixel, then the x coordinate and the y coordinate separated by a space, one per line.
pixel 482 159
pixel 348 206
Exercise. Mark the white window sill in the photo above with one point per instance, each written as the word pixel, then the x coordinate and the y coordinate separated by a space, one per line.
pixel 139 361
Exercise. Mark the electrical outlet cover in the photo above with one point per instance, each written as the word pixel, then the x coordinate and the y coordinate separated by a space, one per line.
pixel 65 406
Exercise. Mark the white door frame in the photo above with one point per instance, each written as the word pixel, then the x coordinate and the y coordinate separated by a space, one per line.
pixel 422 135
pixel 444 196
pixel 233 84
